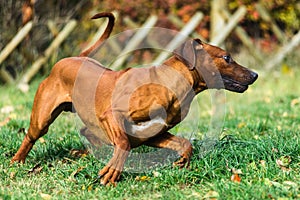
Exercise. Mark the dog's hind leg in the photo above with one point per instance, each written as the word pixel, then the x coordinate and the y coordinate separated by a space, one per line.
pixel 46 107
pixel 181 145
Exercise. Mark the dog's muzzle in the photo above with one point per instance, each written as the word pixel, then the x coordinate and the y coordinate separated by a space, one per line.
pixel 240 86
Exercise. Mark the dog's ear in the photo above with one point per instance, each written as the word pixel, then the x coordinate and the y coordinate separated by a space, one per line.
pixel 187 52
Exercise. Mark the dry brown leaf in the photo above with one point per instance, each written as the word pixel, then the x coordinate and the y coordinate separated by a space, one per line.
pixel 235 178
pixel 12 175
pixel 295 102
pixel 285 169
pixel 76 172
pixel 283 162
pixel 274 150
pixel 236 171
pixel 42 140
pixel 5 121
pixel 79 153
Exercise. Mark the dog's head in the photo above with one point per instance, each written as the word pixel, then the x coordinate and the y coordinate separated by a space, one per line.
pixel 215 66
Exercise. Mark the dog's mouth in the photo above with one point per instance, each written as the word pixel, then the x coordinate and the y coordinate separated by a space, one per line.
pixel 234 86
pixel 239 86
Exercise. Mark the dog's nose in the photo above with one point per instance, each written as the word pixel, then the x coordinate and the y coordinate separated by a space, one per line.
pixel 254 76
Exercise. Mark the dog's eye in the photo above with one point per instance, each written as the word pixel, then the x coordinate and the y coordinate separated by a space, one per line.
pixel 227 58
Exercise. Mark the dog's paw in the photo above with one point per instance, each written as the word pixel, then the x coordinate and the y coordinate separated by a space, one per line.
pixel 109 176
pixel 16 159
pixel 182 162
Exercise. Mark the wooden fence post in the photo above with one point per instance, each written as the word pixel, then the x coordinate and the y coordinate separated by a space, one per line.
pixel 15 41
pixel 185 31
pixel 134 42
pixel 23 84
pixel 267 18
pixel 217 21
pixel 225 30
pixel 241 33
pixel 177 22
pixel 281 53
pixel 10 47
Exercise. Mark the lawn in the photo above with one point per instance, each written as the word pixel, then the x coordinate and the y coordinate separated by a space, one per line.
pixel 257 156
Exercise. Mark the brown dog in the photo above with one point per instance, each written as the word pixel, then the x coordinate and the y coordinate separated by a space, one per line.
pixel 132 107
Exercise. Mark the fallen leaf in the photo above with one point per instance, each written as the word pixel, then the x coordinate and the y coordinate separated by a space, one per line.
pixel 235 178
pixel 22 130
pixel 295 102
pixel 285 114
pixel 241 125
pixel 45 196
pixel 79 153
pixel 267 182
pixel 286 169
pixel 156 174
pixel 286 69
pixel 279 128
pixel 42 140
pixel 90 188
pixel 274 150
pixel 36 169
pixel 290 184
pixel 256 137
pixel 4 122
pixel 142 178
pixel 272 183
pixel 263 163
pixel 211 195
pixel 236 171
pixel 283 161
pixel 7 109
pixel 12 175
pixel 283 198
pixel 76 172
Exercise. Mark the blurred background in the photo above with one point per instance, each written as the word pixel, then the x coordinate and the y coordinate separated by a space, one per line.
pixel 263 35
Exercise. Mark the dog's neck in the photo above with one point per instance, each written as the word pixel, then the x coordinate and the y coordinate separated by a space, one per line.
pixel 192 76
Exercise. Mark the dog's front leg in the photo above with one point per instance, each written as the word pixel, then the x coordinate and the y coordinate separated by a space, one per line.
pixel 112 171
pixel 181 145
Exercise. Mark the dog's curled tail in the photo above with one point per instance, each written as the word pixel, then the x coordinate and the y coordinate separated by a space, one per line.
pixel 105 35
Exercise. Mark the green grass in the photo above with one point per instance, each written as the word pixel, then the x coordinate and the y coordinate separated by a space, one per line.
pixel 260 127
